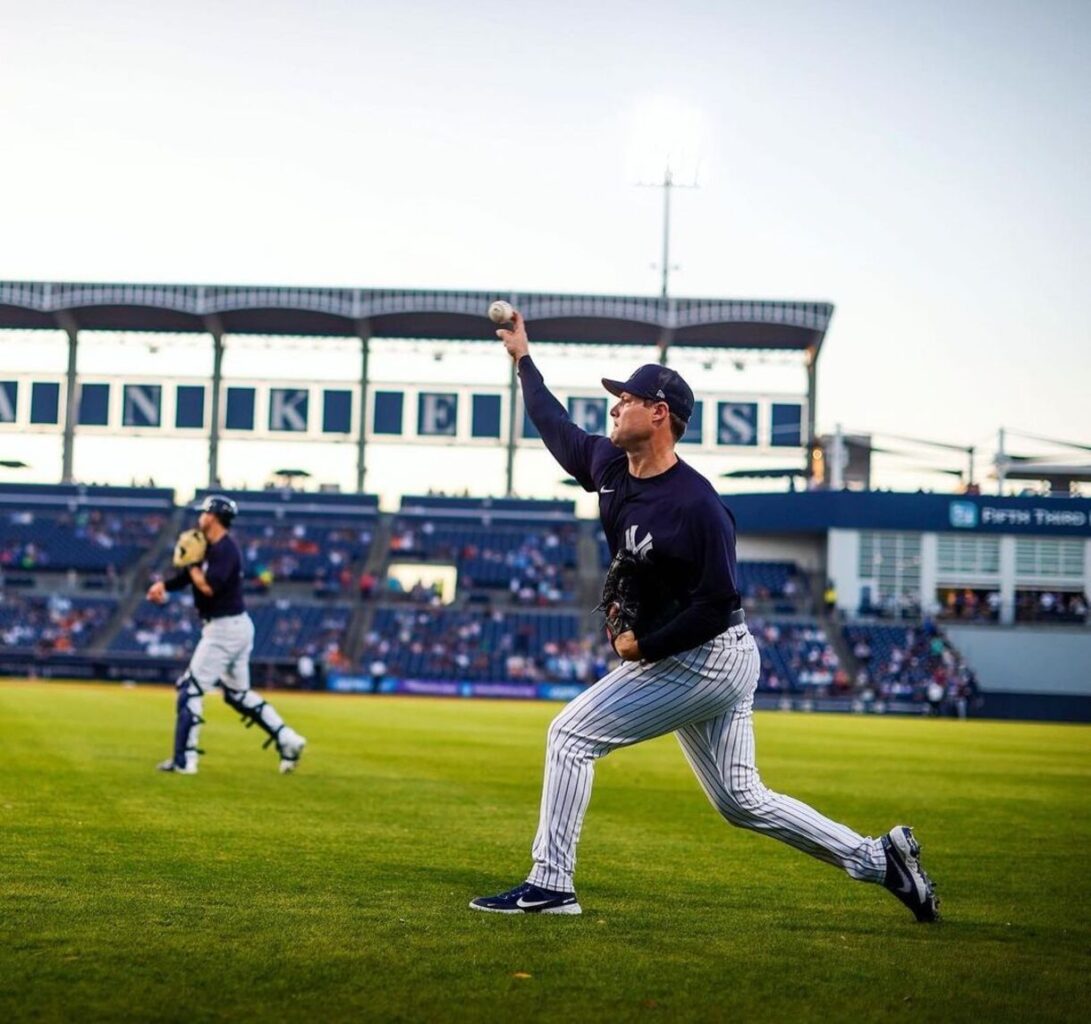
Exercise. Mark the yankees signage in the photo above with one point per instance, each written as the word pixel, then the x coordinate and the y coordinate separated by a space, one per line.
pixel 288 409
pixel 140 405
pixel 737 423
pixel 437 414
pixel 588 414
pixel 476 414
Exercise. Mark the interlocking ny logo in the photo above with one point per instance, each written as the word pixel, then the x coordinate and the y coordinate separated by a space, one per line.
pixel 641 549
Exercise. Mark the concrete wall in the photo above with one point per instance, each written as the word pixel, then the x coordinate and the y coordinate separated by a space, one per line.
pixel 843 554
pixel 1027 659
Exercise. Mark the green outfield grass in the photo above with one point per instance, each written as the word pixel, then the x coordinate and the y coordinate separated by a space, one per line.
pixel 340 892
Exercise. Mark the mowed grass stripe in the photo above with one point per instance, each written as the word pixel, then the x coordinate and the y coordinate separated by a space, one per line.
pixel 340 892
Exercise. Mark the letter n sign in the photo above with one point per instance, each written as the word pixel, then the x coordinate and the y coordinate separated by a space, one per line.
pixel 588 414
pixel 437 414
pixel 288 409
pixel 141 405
pixel 9 392
pixel 737 423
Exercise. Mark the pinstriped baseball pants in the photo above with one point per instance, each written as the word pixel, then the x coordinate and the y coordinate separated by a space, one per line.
pixel 706 696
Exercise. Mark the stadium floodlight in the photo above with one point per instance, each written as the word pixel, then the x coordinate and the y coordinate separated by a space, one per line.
pixel 666 153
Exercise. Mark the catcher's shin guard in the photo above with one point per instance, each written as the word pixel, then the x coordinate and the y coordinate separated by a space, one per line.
pixel 254 710
pixel 187 723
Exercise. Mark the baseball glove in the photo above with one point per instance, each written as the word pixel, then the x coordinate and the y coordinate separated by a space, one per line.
pixel 621 598
pixel 189 549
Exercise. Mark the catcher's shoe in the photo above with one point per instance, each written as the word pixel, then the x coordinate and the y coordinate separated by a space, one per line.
pixel 905 877
pixel 291 750
pixel 170 766
pixel 528 898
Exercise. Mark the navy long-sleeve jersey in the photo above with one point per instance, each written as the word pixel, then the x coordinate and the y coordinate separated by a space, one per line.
pixel 674 521
pixel 223 570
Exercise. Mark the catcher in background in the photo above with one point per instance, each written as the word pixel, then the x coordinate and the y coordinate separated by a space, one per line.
pixel 209 561
pixel 690 666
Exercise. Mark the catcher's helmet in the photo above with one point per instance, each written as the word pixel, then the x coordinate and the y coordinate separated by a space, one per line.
pixel 221 506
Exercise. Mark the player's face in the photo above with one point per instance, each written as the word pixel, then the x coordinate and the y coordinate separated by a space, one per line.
pixel 634 420
pixel 204 521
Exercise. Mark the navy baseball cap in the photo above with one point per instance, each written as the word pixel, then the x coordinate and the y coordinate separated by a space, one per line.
pixel 657 384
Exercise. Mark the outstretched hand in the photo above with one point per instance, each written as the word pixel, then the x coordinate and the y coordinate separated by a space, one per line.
pixel 515 340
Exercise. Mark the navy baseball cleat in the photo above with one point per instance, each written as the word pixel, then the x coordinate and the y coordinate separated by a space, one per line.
pixel 528 899
pixel 905 877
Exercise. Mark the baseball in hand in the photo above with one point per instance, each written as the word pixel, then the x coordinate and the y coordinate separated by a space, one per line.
pixel 501 312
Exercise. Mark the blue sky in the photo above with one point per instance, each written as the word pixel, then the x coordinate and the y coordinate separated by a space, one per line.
pixel 924 167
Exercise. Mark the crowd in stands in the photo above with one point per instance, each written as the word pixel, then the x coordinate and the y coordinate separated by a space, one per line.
pixel 769 581
pixel 312 552
pixel 890 606
pixel 528 562
pixel 911 663
pixel 797 657
pixel 51 624
pixel 426 643
pixel 967 604
pixel 289 630
pixel 160 630
pixel 283 630
pixel 1050 606
pixel 88 539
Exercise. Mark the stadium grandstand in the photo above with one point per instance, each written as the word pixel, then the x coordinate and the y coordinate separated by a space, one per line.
pixel 329 613
pixel 875 601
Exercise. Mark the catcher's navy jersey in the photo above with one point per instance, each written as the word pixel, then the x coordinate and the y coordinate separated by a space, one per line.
pixel 674 521
pixel 223 570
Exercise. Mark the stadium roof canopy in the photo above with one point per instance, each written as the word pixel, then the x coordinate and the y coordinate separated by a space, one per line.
pixel 414 313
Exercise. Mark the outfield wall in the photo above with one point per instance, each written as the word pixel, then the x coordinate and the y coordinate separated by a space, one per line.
pixel 1030 672
pixel 1027 659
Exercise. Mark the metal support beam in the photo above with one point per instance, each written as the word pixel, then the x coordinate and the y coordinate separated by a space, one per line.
pixel 812 398
pixel 664 344
pixel 513 396
pixel 215 328
pixel 71 391
pixel 363 332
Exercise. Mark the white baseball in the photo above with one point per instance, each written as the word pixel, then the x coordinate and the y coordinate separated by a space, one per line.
pixel 501 312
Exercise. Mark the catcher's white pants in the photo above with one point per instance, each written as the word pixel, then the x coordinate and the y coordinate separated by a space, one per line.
pixel 706 696
pixel 222 655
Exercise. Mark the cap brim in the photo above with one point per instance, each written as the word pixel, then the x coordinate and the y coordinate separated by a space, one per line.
pixel 616 387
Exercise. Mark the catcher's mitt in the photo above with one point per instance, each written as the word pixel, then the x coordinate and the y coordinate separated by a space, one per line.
pixel 189 549
pixel 621 598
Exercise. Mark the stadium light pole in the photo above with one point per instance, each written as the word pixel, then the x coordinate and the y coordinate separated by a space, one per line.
pixel 215 328
pixel 812 398
pixel 67 322
pixel 668 184
pixel 363 332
